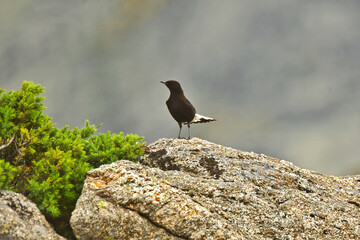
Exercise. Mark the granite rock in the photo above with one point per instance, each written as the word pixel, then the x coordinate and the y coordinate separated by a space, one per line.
pixel 194 189
pixel 21 219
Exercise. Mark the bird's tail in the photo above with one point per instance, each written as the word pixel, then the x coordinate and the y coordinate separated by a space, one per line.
pixel 201 119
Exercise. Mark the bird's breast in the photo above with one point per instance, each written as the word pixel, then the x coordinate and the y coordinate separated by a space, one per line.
pixel 181 109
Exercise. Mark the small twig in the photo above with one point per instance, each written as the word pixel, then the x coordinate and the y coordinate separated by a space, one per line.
pixel 19 150
pixel 7 144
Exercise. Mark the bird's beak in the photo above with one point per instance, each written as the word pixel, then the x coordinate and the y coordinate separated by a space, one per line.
pixel 163 82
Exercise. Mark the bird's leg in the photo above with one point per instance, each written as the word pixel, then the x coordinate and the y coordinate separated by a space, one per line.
pixel 180 129
pixel 189 131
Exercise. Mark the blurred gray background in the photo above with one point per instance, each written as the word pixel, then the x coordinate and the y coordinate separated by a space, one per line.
pixel 281 77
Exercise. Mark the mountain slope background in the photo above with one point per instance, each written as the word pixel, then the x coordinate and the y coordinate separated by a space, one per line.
pixel 282 78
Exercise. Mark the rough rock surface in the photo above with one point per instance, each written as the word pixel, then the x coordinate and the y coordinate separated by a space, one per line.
pixel 194 189
pixel 21 219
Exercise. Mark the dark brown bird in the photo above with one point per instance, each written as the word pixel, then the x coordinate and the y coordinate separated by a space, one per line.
pixel 180 107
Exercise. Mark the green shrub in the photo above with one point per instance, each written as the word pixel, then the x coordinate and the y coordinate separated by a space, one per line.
pixel 7 172
pixel 48 164
pixel 107 148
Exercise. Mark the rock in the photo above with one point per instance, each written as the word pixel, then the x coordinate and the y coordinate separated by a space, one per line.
pixel 21 219
pixel 194 189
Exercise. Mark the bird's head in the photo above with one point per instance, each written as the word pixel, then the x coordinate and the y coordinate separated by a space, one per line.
pixel 173 86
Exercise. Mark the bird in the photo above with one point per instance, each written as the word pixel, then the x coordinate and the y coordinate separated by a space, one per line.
pixel 180 107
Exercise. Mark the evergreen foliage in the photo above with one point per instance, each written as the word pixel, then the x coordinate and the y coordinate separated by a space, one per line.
pixel 48 164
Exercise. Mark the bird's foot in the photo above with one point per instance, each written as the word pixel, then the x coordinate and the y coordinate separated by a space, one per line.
pixel 188 138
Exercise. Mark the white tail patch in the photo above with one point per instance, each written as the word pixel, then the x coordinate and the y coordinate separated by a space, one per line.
pixel 201 119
